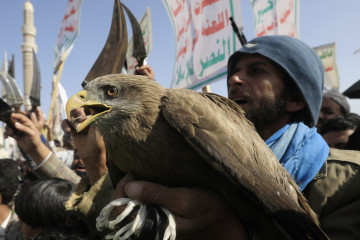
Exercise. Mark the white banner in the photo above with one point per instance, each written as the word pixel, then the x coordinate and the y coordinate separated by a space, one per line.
pixel 204 39
pixel 276 17
pixel 69 30
pixel 146 28
pixel 63 100
pixel 327 54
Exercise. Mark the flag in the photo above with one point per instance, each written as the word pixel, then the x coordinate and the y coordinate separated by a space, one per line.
pixel 204 39
pixel 276 17
pixel 69 30
pixel 68 34
pixel 327 54
pixel 59 113
pixel 146 28
pixel 63 100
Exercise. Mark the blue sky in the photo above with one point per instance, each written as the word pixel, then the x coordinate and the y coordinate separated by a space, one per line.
pixel 321 22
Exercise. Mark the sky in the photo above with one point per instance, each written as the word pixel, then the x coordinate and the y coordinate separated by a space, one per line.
pixel 321 22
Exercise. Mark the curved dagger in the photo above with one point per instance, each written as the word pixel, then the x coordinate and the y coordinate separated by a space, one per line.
pixel 13 94
pixel 36 83
pixel 139 51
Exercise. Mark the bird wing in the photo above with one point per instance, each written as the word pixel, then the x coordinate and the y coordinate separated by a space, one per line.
pixel 218 131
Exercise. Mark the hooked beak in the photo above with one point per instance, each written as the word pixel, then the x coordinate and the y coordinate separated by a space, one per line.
pixel 92 110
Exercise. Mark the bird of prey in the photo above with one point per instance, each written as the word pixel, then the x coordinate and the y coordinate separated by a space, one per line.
pixel 183 138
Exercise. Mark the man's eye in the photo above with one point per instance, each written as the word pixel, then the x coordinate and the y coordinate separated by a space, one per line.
pixel 235 70
pixel 256 71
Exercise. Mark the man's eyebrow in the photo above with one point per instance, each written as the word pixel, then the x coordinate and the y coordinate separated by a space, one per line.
pixel 257 63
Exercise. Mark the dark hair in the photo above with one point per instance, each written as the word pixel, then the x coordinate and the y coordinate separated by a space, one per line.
pixel 41 203
pixel 57 143
pixel 68 141
pixel 293 91
pixel 337 124
pixel 354 140
pixel 9 179
pixel 355 118
pixel 59 234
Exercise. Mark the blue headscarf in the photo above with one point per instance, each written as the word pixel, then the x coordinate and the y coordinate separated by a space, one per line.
pixel 301 150
pixel 298 60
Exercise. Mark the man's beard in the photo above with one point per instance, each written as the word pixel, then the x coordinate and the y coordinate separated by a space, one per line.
pixel 267 112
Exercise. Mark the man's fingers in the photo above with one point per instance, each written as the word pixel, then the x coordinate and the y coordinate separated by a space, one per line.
pixel 40 115
pixel 119 192
pixel 33 117
pixel 177 200
pixel 66 126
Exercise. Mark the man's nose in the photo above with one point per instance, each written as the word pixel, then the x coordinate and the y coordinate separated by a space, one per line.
pixel 236 79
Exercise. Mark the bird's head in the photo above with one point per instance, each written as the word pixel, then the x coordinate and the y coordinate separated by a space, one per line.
pixel 114 99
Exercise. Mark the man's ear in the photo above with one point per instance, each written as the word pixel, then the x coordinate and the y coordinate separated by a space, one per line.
pixel 294 106
pixel 0 199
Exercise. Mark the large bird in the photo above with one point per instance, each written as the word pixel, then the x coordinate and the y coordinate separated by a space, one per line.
pixel 183 138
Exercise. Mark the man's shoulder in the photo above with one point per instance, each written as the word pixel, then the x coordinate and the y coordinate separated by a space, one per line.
pixel 344 156
pixel 336 181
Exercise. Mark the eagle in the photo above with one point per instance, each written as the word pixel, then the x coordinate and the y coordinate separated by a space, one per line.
pixel 184 138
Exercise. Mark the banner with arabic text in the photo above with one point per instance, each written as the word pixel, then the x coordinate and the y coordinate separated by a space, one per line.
pixel 327 54
pixel 69 30
pixel 146 28
pixel 204 39
pixel 276 17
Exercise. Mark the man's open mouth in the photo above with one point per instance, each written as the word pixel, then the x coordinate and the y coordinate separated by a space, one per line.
pixel 240 101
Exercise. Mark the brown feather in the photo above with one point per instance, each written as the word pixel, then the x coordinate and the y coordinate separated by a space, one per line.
pixel 182 138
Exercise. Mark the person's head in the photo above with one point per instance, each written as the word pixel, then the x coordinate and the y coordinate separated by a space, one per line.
pixel 60 234
pixel 40 205
pixel 276 80
pixel 9 180
pixel 57 143
pixel 334 104
pixel 336 131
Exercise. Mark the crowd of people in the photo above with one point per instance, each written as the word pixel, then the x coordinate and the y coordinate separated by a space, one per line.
pixel 278 82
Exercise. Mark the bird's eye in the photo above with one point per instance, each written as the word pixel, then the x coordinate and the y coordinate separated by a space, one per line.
pixel 112 91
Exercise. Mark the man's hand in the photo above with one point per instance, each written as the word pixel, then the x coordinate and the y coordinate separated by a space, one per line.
pixel 145 70
pixel 199 213
pixel 29 139
pixel 37 118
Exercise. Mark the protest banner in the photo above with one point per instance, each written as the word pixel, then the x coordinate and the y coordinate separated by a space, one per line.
pixel 327 54
pixel 68 34
pixel 276 17
pixel 69 30
pixel 204 39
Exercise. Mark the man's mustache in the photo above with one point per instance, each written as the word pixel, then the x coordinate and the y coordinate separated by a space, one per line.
pixel 238 91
